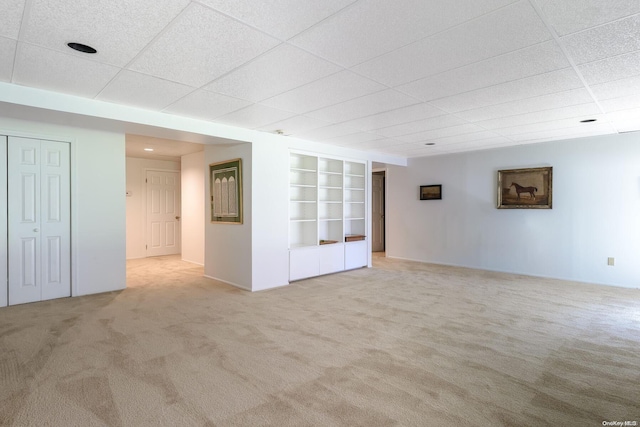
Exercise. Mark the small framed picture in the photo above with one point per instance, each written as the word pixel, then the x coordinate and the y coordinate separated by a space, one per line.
pixel 431 192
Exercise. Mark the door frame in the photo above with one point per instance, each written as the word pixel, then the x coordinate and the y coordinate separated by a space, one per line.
pixel 384 197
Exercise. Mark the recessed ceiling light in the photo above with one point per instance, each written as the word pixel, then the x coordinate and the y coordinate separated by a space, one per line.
pixel 81 47
pixel 588 120
pixel 148 149
pixel 430 143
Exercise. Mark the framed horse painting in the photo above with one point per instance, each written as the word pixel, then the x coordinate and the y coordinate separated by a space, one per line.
pixel 525 188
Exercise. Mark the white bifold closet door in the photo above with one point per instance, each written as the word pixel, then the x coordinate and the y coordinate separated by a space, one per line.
pixel 39 220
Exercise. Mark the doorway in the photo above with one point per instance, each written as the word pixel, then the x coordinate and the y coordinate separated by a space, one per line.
pixel 378 211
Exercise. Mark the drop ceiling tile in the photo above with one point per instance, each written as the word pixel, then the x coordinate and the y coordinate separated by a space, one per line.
pixel 169 148
pixel 566 133
pixel 185 52
pixel 353 138
pixel 436 134
pixel 615 38
pixel 421 152
pixel 623 103
pixel 474 145
pixel 254 116
pixel 280 18
pixel 403 148
pixel 326 132
pixel 339 144
pixel 11 12
pixel 527 62
pixel 508 29
pixel 330 90
pixel 572 124
pixel 373 27
pixel 474 137
pixel 629 115
pixel 64 73
pixel 421 126
pixel 141 90
pixel 590 109
pixel 279 70
pixel 570 16
pixel 8 53
pixel 378 143
pixel 364 106
pixel 413 151
pixel 295 125
pixel 113 27
pixel 528 105
pixel 616 68
pixel 205 105
pixel 396 117
pixel 542 84
pixel 617 88
pixel 627 125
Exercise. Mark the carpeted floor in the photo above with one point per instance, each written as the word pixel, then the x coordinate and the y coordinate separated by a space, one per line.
pixel 403 343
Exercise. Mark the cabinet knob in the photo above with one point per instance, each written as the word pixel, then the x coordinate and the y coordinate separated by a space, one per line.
pixel 36 230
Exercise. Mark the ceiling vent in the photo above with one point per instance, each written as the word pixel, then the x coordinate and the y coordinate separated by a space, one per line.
pixel 81 47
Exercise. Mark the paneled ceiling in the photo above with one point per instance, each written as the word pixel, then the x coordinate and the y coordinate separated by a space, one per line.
pixel 380 75
pixel 159 148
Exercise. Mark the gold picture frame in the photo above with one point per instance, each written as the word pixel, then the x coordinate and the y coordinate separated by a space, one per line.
pixel 529 188
pixel 225 180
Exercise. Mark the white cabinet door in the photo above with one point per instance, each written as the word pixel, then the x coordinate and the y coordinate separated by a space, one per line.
pixel 163 213
pixel 331 258
pixel 303 263
pixel 39 220
pixel 355 254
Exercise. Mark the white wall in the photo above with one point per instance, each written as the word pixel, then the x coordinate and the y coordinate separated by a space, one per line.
pixel 97 201
pixel 270 200
pixel 193 207
pixel 595 215
pixel 137 202
pixel 228 246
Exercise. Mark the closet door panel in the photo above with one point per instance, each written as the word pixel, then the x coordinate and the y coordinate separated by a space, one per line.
pixel 24 227
pixel 55 220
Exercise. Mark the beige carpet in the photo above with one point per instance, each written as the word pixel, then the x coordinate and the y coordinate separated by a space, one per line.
pixel 401 344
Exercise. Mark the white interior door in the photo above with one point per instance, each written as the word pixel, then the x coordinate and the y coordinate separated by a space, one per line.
pixel 163 213
pixel 39 220
pixel 377 213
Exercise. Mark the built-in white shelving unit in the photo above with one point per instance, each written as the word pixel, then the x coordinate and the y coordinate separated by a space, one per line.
pixel 327 215
pixel 303 225
pixel 354 198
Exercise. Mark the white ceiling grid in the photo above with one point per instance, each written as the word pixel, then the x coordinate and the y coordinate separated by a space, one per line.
pixel 366 74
